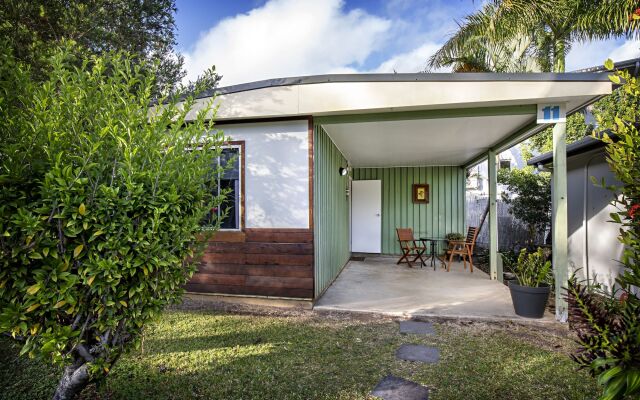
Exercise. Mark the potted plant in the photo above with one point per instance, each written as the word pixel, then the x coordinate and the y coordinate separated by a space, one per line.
pixel 454 237
pixel 530 291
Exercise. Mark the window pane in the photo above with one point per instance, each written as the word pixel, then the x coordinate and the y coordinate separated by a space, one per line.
pixel 230 183
pixel 230 160
pixel 231 205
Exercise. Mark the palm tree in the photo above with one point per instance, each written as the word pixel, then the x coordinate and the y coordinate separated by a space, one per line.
pixel 532 35
pixel 477 47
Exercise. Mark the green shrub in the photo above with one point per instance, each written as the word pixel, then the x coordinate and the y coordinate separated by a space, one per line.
pixel 532 201
pixel 533 269
pixel 608 327
pixel 101 200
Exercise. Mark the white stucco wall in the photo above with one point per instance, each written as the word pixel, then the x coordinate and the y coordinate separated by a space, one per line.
pixel 276 172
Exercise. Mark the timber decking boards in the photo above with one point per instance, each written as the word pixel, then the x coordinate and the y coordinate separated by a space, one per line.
pixel 265 262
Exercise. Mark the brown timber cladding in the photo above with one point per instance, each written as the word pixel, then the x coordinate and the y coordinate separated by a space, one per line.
pixel 265 262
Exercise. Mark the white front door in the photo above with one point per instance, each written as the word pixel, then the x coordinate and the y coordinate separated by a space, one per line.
pixel 366 223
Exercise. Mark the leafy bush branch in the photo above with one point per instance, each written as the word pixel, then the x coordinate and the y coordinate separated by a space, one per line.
pixel 608 327
pixel 101 201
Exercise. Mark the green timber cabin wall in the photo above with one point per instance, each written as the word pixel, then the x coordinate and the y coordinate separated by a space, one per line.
pixel 330 211
pixel 443 214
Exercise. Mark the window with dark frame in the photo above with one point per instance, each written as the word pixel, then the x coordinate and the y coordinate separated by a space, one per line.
pixel 229 182
pixel 505 164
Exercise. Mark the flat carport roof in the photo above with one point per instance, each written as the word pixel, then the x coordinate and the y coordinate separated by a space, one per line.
pixel 381 120
pixel 431 119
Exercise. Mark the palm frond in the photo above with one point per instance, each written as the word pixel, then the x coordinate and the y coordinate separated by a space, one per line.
pixel 604 19
pixel 486 43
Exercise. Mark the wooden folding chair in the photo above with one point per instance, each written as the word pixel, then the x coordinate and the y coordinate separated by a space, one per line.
pixel 410 247
pixel 463 248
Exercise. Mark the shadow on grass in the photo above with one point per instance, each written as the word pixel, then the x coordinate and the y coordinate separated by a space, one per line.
pixel 191 355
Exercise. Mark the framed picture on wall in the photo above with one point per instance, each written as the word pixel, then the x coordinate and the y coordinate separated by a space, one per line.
pixel 420 193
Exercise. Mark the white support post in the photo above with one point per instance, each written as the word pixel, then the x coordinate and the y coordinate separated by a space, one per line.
pixel 493 214
pixel 559 218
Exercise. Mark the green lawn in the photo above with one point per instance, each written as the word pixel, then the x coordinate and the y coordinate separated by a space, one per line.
pixel 205 354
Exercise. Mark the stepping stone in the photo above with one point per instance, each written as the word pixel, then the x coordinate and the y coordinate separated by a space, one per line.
pixel 394 388
pixel 417 327
pixel 416 352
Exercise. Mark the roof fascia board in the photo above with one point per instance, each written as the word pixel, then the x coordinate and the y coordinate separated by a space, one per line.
pixel 411 77
pixel 529 109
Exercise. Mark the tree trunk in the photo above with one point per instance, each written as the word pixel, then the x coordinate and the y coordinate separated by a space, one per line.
pixel 74 379
pixel 559 57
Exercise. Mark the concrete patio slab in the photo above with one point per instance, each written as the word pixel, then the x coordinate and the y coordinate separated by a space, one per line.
pixel 394 388
pixel 379 285
pixel 417 352
pixel 417 327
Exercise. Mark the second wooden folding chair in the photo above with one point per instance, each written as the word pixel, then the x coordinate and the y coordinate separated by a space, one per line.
pixel 463 248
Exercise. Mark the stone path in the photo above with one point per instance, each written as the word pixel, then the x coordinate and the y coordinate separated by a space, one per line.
pixel 417 327
pixel 416 352
pixel 395 388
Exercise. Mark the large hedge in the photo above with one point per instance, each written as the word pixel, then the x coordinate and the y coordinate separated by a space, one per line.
pixel 101 201
pixel 608 327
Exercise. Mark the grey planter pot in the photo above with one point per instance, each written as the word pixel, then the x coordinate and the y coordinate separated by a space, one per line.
pixel 528 301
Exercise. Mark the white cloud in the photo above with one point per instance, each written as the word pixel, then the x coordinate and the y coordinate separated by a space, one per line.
pixel 287 38
pixel 411 61
pixel 630 49
pixel 591 54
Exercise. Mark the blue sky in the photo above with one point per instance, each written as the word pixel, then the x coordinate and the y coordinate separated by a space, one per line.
pixel 260 39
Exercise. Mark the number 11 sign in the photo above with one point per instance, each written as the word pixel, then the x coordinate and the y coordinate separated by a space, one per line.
pixel 551 113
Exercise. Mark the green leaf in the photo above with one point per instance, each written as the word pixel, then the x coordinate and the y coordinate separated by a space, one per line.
pixel 607 375
pixel 633 382
pixel 95 235
pixel 33 289
pixel 616 217
pixel 33 307
pixel 615 387
pixel 49 346
pixel 615 79
pixel 608 64
pixel 25 348
pixel 77 250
